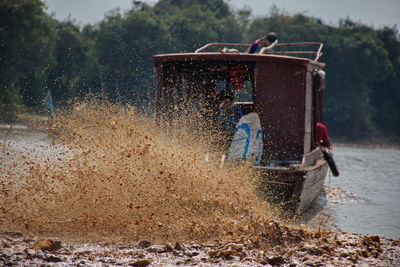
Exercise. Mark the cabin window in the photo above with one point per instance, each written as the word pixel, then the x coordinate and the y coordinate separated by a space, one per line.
pixel 246 94
pixel 197 86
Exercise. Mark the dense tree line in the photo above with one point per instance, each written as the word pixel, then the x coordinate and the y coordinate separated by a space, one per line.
pixel 38 53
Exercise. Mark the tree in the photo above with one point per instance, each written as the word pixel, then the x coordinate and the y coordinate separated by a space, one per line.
pixel 70 60
pixel 25 41
pixel 385 95
pixel 355 60
pixel 126 42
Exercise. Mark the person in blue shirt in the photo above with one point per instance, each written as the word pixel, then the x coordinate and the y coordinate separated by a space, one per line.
pixel 256 45
pixel 265 40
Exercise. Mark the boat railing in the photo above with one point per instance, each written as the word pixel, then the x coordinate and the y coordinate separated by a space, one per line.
pixel 289 49
pixel 220 45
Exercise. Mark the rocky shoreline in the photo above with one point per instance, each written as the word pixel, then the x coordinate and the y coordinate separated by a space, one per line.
pixel 282 247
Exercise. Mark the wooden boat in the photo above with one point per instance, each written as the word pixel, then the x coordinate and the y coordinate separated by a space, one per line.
pixel 283 85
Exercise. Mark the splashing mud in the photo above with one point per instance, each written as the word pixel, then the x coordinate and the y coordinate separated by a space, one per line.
pixel 115 174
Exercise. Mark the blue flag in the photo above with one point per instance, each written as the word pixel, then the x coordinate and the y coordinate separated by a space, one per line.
pixel 48 103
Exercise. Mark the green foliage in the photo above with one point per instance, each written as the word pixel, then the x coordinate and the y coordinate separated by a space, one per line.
pixel 70 59
pixel 192 24
pixel 385 95
pixel 356 60
pixel 218 8
pixel 124 46
pixel 296 28
pixel 113 57
pixel 25 41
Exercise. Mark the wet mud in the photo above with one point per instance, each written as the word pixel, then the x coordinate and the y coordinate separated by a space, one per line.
pixel 107 186
pixel 285 247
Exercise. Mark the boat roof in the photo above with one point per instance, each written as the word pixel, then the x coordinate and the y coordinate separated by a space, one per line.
pixel 240 57
pixel 286 53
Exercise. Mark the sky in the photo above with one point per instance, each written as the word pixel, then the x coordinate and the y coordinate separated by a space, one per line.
pixel 376 13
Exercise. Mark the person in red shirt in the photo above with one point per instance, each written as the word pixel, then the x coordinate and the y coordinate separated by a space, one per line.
pixel 322 136
pixel 323 141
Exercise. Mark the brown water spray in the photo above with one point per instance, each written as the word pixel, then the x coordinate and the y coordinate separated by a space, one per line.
pixel 120 176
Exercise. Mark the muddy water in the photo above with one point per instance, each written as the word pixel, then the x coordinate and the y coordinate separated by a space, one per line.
pixel 112 174
pixel 365 198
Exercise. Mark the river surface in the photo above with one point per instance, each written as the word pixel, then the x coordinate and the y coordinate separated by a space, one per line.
pixel 364 199
pixel 370 184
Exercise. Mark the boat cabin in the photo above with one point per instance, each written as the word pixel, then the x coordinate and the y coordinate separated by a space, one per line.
pixel 283 85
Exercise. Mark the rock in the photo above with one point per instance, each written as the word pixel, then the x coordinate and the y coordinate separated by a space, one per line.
pixel 178 246
pixel 277 260
pixel 375 238
pixel 30 253
pixel 235 247
pixel 369 240
pixel 305 258
pixel 364 253
pixel 4 256
pixel 213 253
pixel 6 244
pixel 224 253
pixel 64 251
pixel 177 253
pixel 52 258
pixel 139 263
pixel 196 246
pixel 83 253
pixel 326 248
pixel 46 244
pixel 344 255
pixel 152 250
pixel 168 247
pixel 192 253
pixel 228 254
pixel 144 244
pixel 354 259
pixel 314 251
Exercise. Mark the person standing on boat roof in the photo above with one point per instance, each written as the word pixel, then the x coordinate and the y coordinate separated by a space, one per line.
pixel 265 40
pixel 322 136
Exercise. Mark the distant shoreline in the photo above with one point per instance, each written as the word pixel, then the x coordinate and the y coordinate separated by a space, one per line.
pixel 368 145
pixel 25 128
